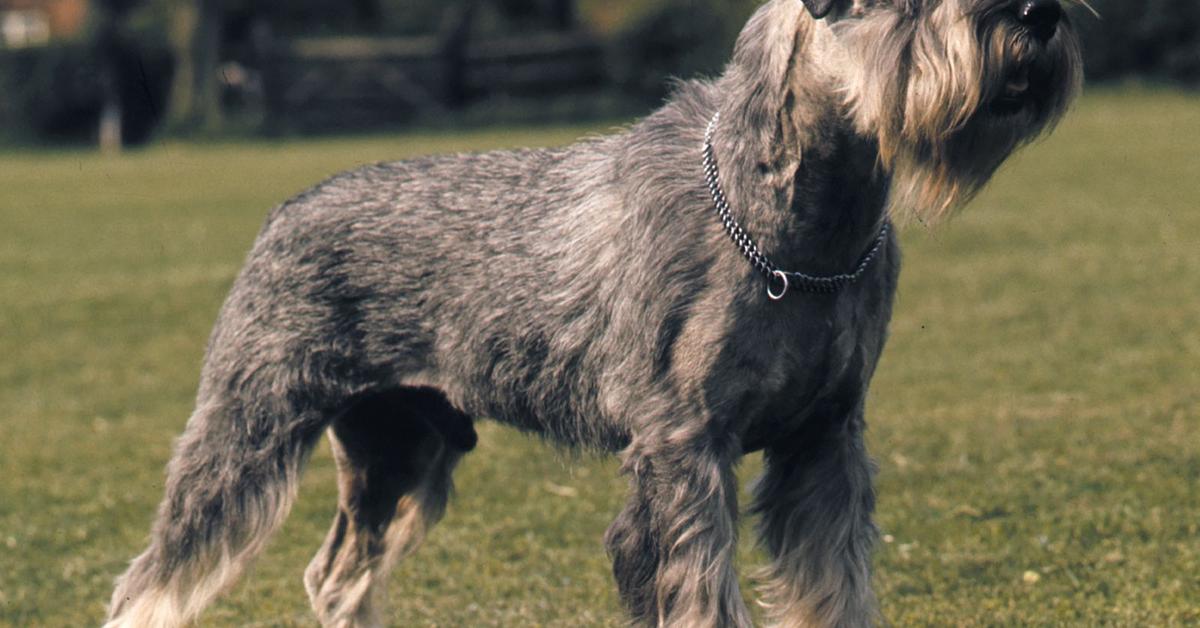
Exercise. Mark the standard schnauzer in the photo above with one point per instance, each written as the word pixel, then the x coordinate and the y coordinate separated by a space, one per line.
pixel 591 294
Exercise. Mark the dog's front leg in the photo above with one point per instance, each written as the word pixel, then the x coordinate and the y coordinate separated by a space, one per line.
pixel 815 501
pixel 673 545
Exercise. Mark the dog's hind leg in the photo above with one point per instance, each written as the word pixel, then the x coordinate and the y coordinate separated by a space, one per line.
pixel 815 501
pixel 395 453
pixel 230 484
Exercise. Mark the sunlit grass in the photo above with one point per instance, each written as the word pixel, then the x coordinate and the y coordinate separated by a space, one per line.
pixel 1037 410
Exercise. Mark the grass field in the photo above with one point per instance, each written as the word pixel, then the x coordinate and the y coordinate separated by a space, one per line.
pixel 1036 418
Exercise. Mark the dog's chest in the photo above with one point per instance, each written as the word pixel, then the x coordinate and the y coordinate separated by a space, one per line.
pixel 817 365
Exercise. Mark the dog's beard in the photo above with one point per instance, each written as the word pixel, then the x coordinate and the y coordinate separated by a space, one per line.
pixel 951 95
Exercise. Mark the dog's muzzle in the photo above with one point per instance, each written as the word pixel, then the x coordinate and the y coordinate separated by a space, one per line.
pixel 1040 21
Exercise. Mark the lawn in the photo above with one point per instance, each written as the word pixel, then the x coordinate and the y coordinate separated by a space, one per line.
pixel 1036 417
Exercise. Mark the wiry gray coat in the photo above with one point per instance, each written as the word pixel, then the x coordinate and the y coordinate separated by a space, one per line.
pixel 588 294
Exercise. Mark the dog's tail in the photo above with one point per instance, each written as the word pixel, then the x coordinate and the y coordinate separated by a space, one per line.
pixel 230 484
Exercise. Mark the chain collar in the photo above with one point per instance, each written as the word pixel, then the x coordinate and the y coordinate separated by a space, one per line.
pixel 779 282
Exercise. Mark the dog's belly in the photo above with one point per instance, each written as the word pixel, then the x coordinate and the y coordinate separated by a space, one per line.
pixel 530 379
pixel 557 411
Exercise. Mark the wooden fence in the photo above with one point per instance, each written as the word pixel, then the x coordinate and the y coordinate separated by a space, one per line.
pixel 351 82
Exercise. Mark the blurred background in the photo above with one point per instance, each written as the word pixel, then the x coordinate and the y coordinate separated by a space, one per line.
pixel 123 72
pixel 1036 417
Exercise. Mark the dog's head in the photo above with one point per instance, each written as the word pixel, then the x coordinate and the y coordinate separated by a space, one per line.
pixel 950 88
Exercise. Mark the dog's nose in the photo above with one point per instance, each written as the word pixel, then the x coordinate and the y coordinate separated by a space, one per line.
pixel 1040 16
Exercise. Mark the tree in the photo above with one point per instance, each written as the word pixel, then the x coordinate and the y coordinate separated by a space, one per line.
pixel 455 35
pixel 368 14
pixel 109 17
pixel 194 32
pixel 559 14
pixel 562 14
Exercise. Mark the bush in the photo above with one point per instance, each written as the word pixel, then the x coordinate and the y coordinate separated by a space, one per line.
pixel 680 39
pixel 1157 39
pixel 55 93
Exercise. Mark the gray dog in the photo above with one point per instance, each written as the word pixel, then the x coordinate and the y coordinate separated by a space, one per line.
pixel 591 294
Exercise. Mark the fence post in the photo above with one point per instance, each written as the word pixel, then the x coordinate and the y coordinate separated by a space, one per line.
pixel 452 44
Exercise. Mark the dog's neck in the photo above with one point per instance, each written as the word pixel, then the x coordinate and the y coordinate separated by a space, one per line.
pixel 817 195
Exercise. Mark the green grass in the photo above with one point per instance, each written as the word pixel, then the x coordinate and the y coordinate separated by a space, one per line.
pixel 1037 410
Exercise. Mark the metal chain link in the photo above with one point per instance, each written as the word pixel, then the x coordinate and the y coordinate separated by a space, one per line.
pixel 789 280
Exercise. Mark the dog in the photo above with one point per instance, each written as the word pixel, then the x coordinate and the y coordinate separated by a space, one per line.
pixel 715 280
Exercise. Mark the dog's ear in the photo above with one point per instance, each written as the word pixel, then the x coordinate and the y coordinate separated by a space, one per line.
pixel 821 8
